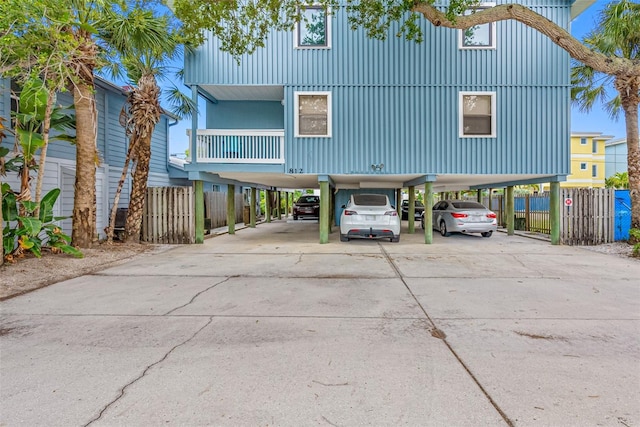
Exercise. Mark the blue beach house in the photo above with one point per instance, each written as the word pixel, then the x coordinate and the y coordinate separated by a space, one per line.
pixel 325 107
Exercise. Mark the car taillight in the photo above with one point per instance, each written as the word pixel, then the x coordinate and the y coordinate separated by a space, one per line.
pixel 459 215
pixel 347 212
pixel 491 215
pixel 391 213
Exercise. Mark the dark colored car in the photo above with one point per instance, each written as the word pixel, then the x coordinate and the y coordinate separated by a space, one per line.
pixel 419 208
pixel 307 206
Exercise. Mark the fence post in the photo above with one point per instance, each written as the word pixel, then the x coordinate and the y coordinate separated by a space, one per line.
pixel 510 211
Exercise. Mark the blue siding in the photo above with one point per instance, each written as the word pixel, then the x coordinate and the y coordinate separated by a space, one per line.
pixel 159 147
pixel 245 115
pixel 115 144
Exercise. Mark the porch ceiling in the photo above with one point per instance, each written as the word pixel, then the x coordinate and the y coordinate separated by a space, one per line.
pixel 442 183
pixel 244 93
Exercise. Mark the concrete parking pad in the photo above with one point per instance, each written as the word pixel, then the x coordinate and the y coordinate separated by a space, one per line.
pixel 268 327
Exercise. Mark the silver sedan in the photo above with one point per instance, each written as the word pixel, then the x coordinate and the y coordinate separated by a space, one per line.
pixel 462 216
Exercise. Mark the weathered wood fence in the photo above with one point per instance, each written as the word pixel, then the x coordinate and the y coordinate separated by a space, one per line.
pixel 589 220
pixel 215 208
pixel 169 215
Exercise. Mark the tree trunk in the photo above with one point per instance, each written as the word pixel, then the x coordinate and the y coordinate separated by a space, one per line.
pixel 84 220
pixel 46 127
pixel 138 190
pixel 628 89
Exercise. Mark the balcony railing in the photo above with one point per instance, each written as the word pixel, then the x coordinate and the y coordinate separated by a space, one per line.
pixel 240 146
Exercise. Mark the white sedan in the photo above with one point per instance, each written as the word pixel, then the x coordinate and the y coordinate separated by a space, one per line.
pixel 369 216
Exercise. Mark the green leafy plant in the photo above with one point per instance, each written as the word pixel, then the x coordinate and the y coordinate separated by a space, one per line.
pixel 634 235
pixel 31 226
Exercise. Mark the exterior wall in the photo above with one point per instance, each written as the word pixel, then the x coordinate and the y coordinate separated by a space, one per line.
pixel 615 157
pixel 245 115
pixel 397 102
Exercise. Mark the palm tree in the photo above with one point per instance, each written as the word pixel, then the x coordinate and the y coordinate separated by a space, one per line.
pixel 617 35
pixel 145 43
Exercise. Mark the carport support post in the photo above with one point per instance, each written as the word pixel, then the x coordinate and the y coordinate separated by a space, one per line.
pixel 198 187
pixel 286 204
pixel 479 195
pixel 252 209
pixel 231 208
pixel 510 208
pixel 325 201
pixel 279 204
pixel 399 201
pixel 554 212
pixel 428 213
pixel 267 205
pixel 411 216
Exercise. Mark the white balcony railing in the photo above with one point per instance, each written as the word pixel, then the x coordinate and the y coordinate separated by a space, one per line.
pixel 240 146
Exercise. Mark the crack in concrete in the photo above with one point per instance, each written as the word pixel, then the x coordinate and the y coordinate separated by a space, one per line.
pixel 142 375
pixel 197 295
pixel 439 334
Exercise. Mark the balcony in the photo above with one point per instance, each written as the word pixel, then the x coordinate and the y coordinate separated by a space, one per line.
pixel 240 146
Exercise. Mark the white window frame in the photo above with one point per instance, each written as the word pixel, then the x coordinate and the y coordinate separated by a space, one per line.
pixel 583 141
pixel 492 29
pixel 583 166
pixel 327 30
pixel 494 114
pixel 594 171
pixel 296 109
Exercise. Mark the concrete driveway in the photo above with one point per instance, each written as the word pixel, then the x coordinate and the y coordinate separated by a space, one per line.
pixel 269 328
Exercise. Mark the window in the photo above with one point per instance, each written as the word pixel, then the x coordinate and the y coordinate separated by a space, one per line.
pixel 477 114
pixel 583 141
pixel 313 29
pixel 594 146
pixel 313 114
pixel 480 36
pixel 583 166
pixel 594 171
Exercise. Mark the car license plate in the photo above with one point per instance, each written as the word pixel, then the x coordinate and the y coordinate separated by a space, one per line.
pixel 476 218
pixel 371 217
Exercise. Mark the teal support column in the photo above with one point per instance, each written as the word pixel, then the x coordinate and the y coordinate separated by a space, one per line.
pixel 428 213
pixel 267 205
pixel 279 204
pixel 252 207
pixel 510 208
pixel 490 206
pixel 399 201
pixel 325 202
pixel 479 195
pixel 554 212
pixel 411 216
pixel 231 208
pixel 286 204
pixel 198 188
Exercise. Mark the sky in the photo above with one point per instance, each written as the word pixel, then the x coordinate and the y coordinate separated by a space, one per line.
pixel 597 120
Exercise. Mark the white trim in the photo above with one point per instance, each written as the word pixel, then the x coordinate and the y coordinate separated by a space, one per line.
pixel 327 31
pixel 296 117
pixel 492 46
pixel 494 115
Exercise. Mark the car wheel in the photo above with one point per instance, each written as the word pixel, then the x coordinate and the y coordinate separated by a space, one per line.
pixel 295 217
pixel 443 229
pixel 395 239
pixel 487 234
pixel 344 238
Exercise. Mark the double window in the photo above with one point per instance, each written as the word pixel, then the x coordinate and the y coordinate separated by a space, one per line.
pixel 313 29
pixel 477 114
pixel 479 36
pixel 313 114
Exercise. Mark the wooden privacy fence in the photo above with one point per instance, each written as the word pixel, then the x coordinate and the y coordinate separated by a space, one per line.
pixel 215 208
pixel 588 216
pixel 169 215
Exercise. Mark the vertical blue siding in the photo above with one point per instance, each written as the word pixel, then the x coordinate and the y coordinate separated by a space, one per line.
pixel 234 115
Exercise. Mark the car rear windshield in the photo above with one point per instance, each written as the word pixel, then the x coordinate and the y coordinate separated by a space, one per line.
pixel 308 199
pixel 370 199
pixel 467 205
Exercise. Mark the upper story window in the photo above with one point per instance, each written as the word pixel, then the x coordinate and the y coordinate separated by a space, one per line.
pixel 583 141
pixel 583 166
pixel 313 29
pixel 477 114
pixel 480 36
pixel 594 146
pixel 313 114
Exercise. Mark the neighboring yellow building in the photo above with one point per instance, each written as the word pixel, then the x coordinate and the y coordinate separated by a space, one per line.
pixel 587 161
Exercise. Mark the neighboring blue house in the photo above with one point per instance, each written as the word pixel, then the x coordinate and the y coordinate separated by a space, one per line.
pixel 335 110
pixel 615 153
pixel 112 147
